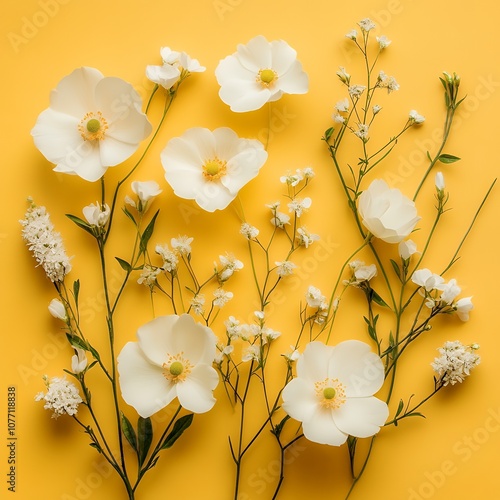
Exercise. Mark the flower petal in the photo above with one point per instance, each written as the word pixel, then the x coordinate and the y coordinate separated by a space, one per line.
pixel 142 384
pixel 283 56
pixel 361 417
pixel 294 81
pixel 313 363
pixel 299 399
pixel 155 341
pixel 195 393
pixel 113 151
pixel 244 96
pixel 244 167
pixel 359 369
pixel 256 54
pixel 321 428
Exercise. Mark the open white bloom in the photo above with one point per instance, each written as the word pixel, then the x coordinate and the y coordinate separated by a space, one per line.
pixel 57 309
pixel 383 42
pixel 251 353
pixel 376 109
pixel 427 279
pixel 365 273
pixel 292 355
pixel 332 394
pixel 299 205
pixel 198 304
pixel 78 361
pixel 387 82
pixel 314 297
pixel 170 259
pixel 221 352
pixel 211 167
pixel 93 122
pixel 148 276
pixel 338 118
pixel 386 212
pixel 456 362
pixel 352 34
pixel 342 106
pixel 233 328
pixel 97 214
pixel 174 64
pixel 172 358
pixel 362 132
pixel 406 249
pixel 248 231
pixel 366 24
pixel 221 297
pixel 260 72
pixel 62 397
pixel 415 117
pixel 463 307
pixel 304 237
pixel 280 219
pixel 229 266
pixel 182 244
pixel 145 191
pixel 449 291
pixel 285 268
pixel 355 91
pixel 44 243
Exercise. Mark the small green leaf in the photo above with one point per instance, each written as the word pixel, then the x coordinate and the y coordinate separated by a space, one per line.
pixel 279 427
pixel 81 223
pixel 378 299
pixel 148 232
pixel 400 407
pixel 179 427
pixel 77 342
pixel 124 264
pixel 129 215
pixel 445 158
pixel 128 432
pixel 145 437
pixel 328 133
pixel 415 414
pixel 396 268
pixel 76 290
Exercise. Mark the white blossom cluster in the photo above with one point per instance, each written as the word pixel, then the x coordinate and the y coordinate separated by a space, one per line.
pixel 456 362
pixel 45 244
pixel 61 397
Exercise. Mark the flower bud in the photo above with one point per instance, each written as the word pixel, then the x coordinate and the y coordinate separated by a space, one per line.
pixel 439 181
pixel 57 309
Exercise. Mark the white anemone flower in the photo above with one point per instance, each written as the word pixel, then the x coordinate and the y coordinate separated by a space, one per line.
pixel 93 122
pixel 332 394
pixel 210 167
pixel 173 358
pixel 260 72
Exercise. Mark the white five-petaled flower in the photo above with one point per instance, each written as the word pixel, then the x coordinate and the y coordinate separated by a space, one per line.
pixel 248 231
pixel 342 106
pixel 93 122
pixel 383 42
pixel 172 358
pixel 314 297
pixel 211 167
pixel 449 291
pixel 149 275
pixel 62 396
pixel 355 91
pixel 260 72
pixel 170 259
pixel 415 117
pixel 332 394
pixel 456 362
pixel 285 268
pixel 221 297
pixel 366 24
pixel 229 266
pixel 299 205
pixel 97 214
pixel 352 35
pixel 362 132
pixel 182 244
pixel 174 64
pixel 198 304
pixel 386 212
pixel 304 237
pixel 387 82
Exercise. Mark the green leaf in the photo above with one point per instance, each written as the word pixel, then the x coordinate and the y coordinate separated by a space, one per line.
pixel 179 427
pixel 378 299
pixel 445 158
pixel 415 414
pixel 145 437
pixel 328 133
pixel 128 432
pixel 279 427
pixel 77 342
pixel 81 223
pixel 76 290
pixel 396 268
pixel 400 407
pixel 146 235
pixel 129 215
pixel 124 264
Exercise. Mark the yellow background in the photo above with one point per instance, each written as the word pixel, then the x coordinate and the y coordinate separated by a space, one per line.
pixel 454 452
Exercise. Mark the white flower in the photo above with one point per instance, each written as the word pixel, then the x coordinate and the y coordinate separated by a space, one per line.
pixel 449 291
pixel 344 76
pixel 365 273
pixel 92 123
pixel 388 82
pixel 211 167
pixel 285 268
pixel 292 179
pixel 456 362
pixel 57 309
pixel 97 215
pixel 362 131
pixel 251 353
pixel 386 212
pixel 376 109
pixel 229 266
pixel 427 279
pixel 248 231
pixel 415 117
pixel 342 106
pixel 233 327
pixel 198 303
pixel 338 118
pixel 439 181
pixel 148 276
pixel 306 238
pixel 383 42
pixel 314 297
pixel 172 358
pixel 78 361
pixel 145 191
pixel 463 307
pixel 174 63
pixel 308 172
pixel 61 397
pixel 260 72
pixel 280 219
pixel 182 244
pixel 44 243
pixel 332 394
pixel 170 259
pixel 293 355
pixel 299 205
pixel 221 297
pixel 406 249
pixel 268 334
pixel 222 351
pixel 366 24
pixel 356 90
pixel 352 34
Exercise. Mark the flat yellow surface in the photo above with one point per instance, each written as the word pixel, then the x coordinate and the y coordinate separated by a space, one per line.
pixel 455 451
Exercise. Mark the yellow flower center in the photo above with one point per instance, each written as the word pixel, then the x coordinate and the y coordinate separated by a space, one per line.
pixel 331 393
pixel 267 76
pixel 93 126
pixel 214 169
pixel 177 368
